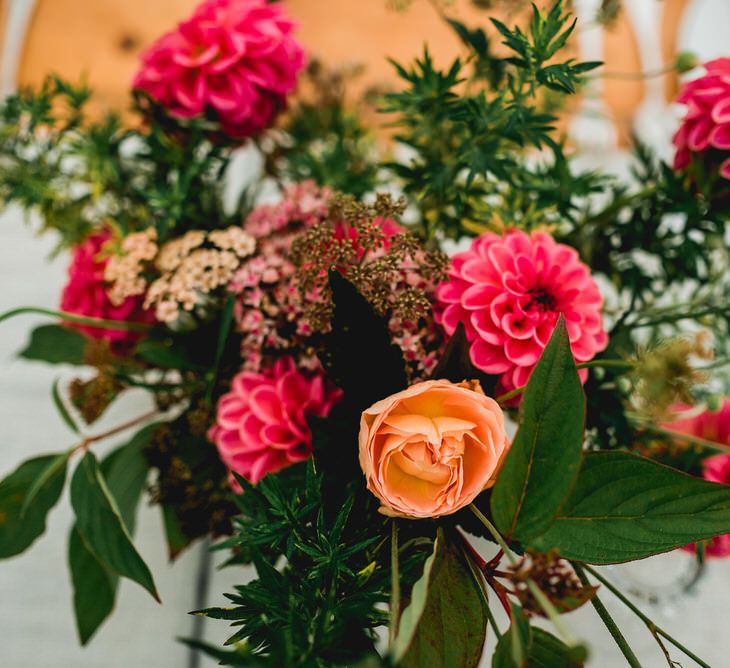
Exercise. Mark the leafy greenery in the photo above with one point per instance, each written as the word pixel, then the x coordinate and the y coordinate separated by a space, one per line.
pixel 94 583
pixel 322 606
pixel 468 133
pixel 445 623
pixel 79 173
pixel 55 344
pixel 101 526
pixel 483 153
pixel 526 645
pixel 324 139
pixel 94 587
pixel 545 455
pixel 626 507
pixel 26 497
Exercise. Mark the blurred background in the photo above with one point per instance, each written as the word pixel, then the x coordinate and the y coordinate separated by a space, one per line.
pixel 100 41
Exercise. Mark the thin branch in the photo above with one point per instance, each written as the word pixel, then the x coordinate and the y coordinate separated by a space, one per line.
pixel 74 317
pixel 593 364
pixel 608 621
pixel 653 628
pixel 678 435
pixel 545 603
pixel 88 440
pixel 394 582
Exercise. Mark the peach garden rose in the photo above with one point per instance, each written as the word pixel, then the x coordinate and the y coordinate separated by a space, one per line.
pixel 431 449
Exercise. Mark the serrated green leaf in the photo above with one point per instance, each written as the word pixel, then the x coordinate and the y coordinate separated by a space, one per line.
pixel 55 344
pixel 545 455
pixel 94 587
pixel 101 526
pixel 625 507
pixel 446 623
pixel 18 531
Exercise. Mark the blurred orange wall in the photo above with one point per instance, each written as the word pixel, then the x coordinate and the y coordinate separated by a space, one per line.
pixel 102 39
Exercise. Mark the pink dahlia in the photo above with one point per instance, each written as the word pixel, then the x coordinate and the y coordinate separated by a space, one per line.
pixel 86 294
pixel 711 426
pixel 237 58
pixel 261 424
pixel 706 124
pixel 509 292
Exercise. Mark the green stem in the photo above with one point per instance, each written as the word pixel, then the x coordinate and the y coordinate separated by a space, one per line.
pixel 394 582
pixel 653 628
pixel 637 76
pixel 593 364
pixel 717 364
pixel 495 534
pixel 607 364
pixel 678 435
pixel 493 623
pixel 80 319
pixel 676 317
pixel 502 398
pixel 608 621
pixel 545 603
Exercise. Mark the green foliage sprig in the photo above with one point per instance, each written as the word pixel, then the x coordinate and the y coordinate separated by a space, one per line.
pixel 81 172
pixel 467 135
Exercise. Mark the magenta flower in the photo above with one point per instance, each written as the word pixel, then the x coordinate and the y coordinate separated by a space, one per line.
pixel 261 424
pixel 712 426
pixel 509 292
pixel 85 294
pixel 706 124
pixel 237 58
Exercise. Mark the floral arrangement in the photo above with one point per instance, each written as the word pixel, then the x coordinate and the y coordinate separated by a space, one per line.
pixel 399 440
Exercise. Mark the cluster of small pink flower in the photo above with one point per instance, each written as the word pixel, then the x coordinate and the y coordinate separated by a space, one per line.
pixel 269 310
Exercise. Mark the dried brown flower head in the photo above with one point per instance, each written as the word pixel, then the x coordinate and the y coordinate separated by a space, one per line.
pixel 556 579
pixel 92 397
pixel 389 266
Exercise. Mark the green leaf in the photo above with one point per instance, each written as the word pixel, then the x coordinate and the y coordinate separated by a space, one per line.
pixel 100 525
pixel 445 624
pixel 165 354
pixel 513 648
pixel 625 507
pixel 177 540
pixel 94 584
pixel 55 469
pixel 547 651
pixel 524 646
pixel 125 470
pixel 61 408
pixel 18 531
pixel 408 624
pixel 358 343
pixel 223 333
pixel 545 455
pixel 224 657
pixel 94 587
pixel 55 344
